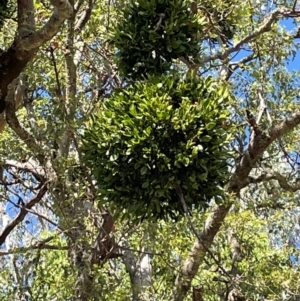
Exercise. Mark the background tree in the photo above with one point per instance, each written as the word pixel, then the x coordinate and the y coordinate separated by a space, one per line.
pixel 59 240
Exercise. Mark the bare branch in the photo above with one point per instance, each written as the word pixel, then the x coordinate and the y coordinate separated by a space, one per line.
pixel 262 108
pixel 285 126
pixel 198 252
pixel 294 5
pixel 238 64
pixel 17 97
pixel 41 216
pixel 23 212
pixel 281 179
pixel 197 293
pixel 78 5
pixel 258 144
pixel 15 59
pixel 58 89
pixel 32 118
pixel 235 247
pixel 266 26
pixel 253 123
pixel 84 16
pixel 29 166
pixel 38 245
pixel 244 60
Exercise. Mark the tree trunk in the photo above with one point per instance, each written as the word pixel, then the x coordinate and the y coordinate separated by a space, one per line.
pixel 140 271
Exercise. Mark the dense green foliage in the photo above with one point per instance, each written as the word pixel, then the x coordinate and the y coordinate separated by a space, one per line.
pixel 150 34
pixel 163 133
pixel 155 136
pixel 91 138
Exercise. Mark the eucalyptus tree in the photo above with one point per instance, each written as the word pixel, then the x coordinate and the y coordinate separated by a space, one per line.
pixel 137 127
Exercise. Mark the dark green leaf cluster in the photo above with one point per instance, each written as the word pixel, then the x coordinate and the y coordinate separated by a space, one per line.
pixel 151 33
pixel 222 20
pixel 158 135
pixel 6 10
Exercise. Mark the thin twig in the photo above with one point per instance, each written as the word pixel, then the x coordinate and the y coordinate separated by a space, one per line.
pixel 38 245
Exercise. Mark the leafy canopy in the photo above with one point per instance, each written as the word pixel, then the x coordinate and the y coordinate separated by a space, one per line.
pixel 155 136
pixel 150 34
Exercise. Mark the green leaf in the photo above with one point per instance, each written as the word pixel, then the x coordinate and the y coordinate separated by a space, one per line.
pixel 144 170
pixel 132 110
pixel 211 125
pixel 205 138
pixel 145 184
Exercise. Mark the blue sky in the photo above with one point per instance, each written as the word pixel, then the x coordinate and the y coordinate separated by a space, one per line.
pixel 295 63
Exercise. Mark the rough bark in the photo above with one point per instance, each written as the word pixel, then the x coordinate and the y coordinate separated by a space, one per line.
pixel 27 41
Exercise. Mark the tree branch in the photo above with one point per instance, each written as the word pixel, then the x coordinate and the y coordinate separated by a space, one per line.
pixel 282 181
pixel 198 252
pixel 29 166
pixel 12 120
pixel 15 59
pixel 23 212
pixel 264 27
pixel 38 245
pixel 26 22
pixel 84 16
pixel 40 216
pixel 62 11
pixel 257 145
pixel 235 65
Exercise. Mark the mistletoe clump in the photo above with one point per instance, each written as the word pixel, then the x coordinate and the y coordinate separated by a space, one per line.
pixel 158 135
pixel 150 34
